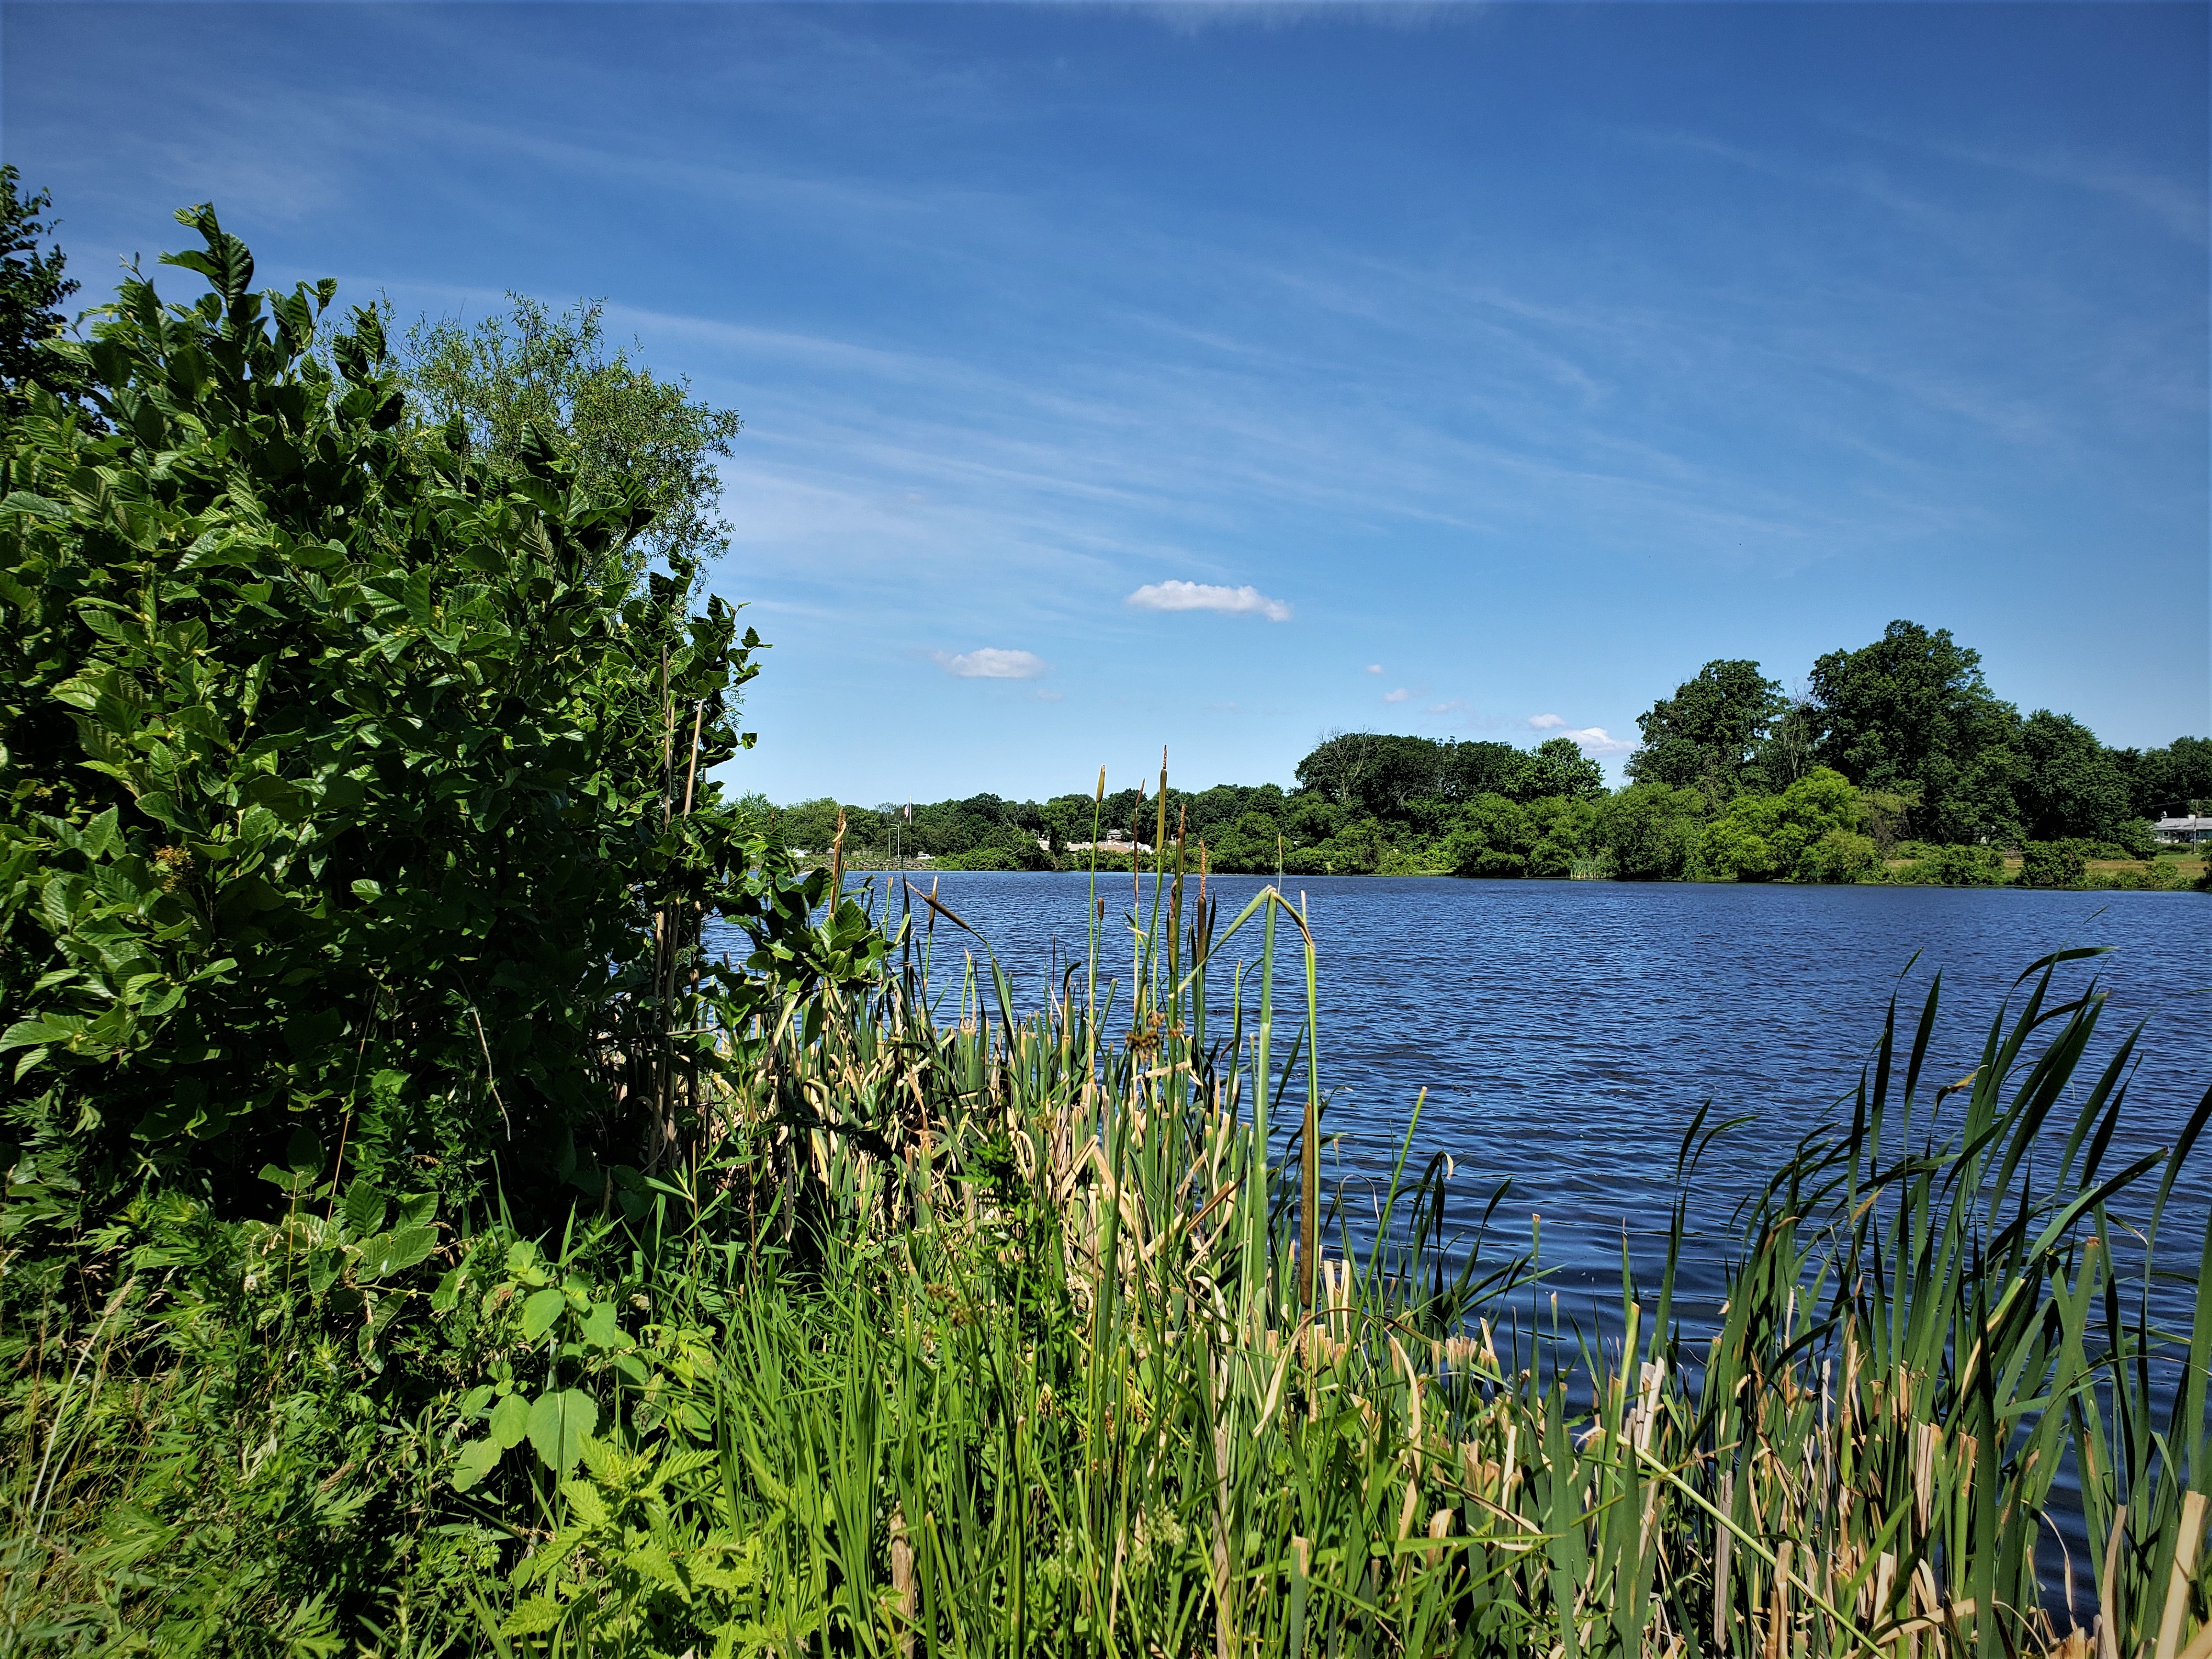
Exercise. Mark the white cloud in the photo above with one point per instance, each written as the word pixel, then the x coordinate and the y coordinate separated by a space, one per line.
pixel 1207 596
pixel 990 663
pixel 1600 745
pixel 1454 706
pixel 1374 667
pixel 1545 722
pixel 1399 695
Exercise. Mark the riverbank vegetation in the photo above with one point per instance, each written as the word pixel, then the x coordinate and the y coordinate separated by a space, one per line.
pixel 1898 764
pixel 414 1244
pixel 1365 803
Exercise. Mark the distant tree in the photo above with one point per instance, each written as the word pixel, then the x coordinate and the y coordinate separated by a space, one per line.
pixel 1558 768
pixel 1418 780
pixel 1911 712
pixel 2168 782
pixel 2072 787
pixel 528 366
pixel 1477 769
pixel 1709 734
pixel 1377 772
pixel 32 291
pixel 1649 830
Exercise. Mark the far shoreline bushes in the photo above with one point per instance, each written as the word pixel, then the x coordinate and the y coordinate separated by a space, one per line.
pixel 1898 764
pixel 1821 829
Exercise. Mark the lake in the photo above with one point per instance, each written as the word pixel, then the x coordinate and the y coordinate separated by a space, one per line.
pixel 1566 1032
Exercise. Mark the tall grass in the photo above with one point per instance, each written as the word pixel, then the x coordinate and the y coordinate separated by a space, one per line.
pixel 971 1332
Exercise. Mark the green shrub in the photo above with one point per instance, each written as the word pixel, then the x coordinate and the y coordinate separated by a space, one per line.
pixel 1840 856
pixel 1550 859
pixel 1954 866
pixel 2055 863
pixel 1767 837
pixel 349 786
pixel 981 858
pixel 1649 831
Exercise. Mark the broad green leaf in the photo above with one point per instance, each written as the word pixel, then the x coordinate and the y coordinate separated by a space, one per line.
pixel 362 1209
pixel 558 1423
pixel 540 1312
pixel 476 1459
pixel 600 1330
pixel 510 1420
pixel 305 1150
pixel 393 1252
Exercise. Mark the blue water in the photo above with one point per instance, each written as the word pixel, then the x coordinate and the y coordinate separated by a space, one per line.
pixel 1566 1032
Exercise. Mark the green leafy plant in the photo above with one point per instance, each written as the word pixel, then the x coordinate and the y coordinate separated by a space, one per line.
pixel 348 780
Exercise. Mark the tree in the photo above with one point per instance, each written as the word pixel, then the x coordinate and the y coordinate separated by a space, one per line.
pixel 1376 772
pixel 1649 830
pixel 1709 733
pixel 1558 768
pixel 2072 787
pixel 32 290
pixel 2168 782
pixel 1401 778
pixel 1911 711
pixel 528 367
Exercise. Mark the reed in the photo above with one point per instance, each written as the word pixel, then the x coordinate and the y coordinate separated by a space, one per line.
pixel 1065 1369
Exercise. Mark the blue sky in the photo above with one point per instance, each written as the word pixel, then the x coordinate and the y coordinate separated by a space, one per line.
pixel 1215 376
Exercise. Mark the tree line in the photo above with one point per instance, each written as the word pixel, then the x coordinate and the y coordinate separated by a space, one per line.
pixel 1896 762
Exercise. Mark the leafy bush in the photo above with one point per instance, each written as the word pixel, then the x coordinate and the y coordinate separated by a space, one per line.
pixel 2055 863
pixel 1768 837
pixel 349 786
pixel 981 858
pixel 1952 867
pixel 1840 856
pixel 1649 830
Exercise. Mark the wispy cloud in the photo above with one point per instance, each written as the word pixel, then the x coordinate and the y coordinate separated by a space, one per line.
pixel 990 662
pixel 1451 706
pixel 1399 695
pixel 1207 596
pixel 1545 722
pixel 1374 667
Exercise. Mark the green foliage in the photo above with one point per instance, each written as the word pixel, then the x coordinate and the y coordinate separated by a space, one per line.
pixel 2170 783
pixel 1711 733
pixel 32 291
pixel 347 776
pixel 2071 786
pixel 1954 865
pixel 1390 777
pixel 1809 832
pixel 1911 712
pixel 1019 1355
pixel 2055 863
pixel 527 369
pixel 1650 831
